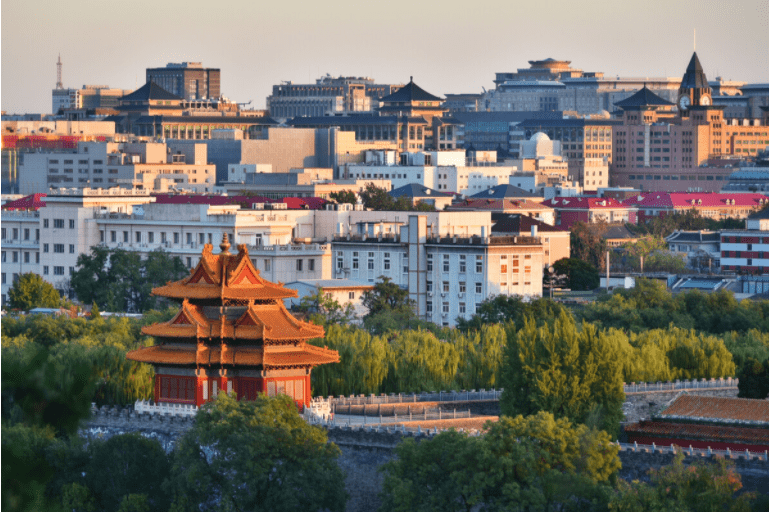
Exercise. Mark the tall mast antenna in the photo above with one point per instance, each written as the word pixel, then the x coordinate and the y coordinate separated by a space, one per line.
pixel 58 74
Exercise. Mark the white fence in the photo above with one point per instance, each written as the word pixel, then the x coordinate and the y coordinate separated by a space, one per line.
pixel 682 385
pixel 699 452
pixel 165 408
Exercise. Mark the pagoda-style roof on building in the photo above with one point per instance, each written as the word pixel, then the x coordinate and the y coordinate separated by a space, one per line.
pixel 694 78
pixel 267 322
pixel 408 93
pixel 224 276
pixel 643 98
pixel 150 91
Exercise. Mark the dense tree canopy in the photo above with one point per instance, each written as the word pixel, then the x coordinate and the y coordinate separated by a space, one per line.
pixel 379 199
pixel 572 373
pixel 344 196
pixel 534 463
pixel 118 280
pixel 690 220
pixel 255 455
pixel 325 310
pixel 580 275
pixel 588 245
pixel 31 291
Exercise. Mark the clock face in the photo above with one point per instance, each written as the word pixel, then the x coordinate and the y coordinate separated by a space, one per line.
pixel 684 102
pixel 705 101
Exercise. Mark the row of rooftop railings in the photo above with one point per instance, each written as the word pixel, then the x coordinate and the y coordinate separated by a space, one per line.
pixel 697 452
pixel 494 394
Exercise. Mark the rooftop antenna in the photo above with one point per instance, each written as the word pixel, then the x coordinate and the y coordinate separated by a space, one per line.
pixel 58 74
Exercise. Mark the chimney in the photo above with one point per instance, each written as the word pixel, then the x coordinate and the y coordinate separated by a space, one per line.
pixel 534 231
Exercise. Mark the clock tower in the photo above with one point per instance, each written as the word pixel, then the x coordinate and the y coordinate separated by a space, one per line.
pixel 694 90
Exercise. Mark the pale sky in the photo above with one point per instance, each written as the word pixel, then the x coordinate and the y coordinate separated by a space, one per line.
pixel 448 46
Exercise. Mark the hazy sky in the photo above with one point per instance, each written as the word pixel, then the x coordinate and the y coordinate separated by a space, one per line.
pixel 448 46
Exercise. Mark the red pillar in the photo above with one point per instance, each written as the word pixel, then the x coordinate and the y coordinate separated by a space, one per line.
pixel 157 388
pixel 201 388
pixel 307 390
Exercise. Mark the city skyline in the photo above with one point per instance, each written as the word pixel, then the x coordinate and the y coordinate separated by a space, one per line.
pixel 445 50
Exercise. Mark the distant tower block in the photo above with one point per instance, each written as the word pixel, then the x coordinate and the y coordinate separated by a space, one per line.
pixel 58 74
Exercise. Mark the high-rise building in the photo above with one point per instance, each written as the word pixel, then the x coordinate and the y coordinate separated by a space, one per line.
pixel 188 80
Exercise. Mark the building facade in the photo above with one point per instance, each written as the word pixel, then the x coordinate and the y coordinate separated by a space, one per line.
pixel 188 80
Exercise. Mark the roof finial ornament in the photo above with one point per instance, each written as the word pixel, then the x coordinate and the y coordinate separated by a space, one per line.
pixel 225 245
pixel 411 78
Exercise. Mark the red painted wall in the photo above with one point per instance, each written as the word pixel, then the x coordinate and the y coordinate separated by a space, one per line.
pixel 685 443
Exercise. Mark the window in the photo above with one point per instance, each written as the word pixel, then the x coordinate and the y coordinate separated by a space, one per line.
pixel 58 223
pixel 479 264
pixel 351 295
pixel 15 233
pixel 71 223
pixel 189 262
pixel 15 256
pixel 387 261
pixel 138 237
pixel 462 308
pixel 151 237
pixel 176 238
pixel 445 307
pixel 429 262
pixel 311 265
pixel 445 286
pixel 58 248
pixel 3 281
pixel 71 270
pixel 201 238
pixel 45 247
pixel 26 233
pixel 113 236
pixel 478 287
pixel 72 248
pixel 163 238
pixel 339 261
pixel 45 270
pixel 462 264
pixel 429 286
pixel 355 260
pixel 428 305
pixel 45 223
pixel 26 257
pixel 126 239
pixel 446 263
pixel 298 265
pixel 37 257
pixel 462 287
pixel 266 265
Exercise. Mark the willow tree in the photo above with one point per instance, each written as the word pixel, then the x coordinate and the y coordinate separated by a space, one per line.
pixel 572 373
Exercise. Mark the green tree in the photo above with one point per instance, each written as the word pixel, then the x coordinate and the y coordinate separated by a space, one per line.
pixel 754 379
pixel 118 280
pixel 326 310
pixel 31 291
pixel 502 309
pixel 255 455
pixel 580 274
pixel 388 297
pixel 344 196
pixel 588 245
pixel 376 198
pixel 569 372
pixel 697 487
pixel 124 465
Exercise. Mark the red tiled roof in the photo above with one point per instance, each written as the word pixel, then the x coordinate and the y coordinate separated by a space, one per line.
pixel 582 203
pixel 694 199
pixel 716 433
pixel 710 407
pixel 498 204
pixel 30 202
pixel 292 203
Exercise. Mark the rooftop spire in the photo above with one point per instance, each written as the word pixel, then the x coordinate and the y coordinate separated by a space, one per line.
pixel 59 85
pixel 225 245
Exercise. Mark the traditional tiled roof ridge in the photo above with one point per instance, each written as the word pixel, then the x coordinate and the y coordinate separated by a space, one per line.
pixel 718 409
pixel 224 276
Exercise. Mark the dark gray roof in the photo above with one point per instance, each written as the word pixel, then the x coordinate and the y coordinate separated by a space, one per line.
pixel 207 119
pixel 694 76
pixel 693 236
pixel 643 98
pixel 502 192
pixel 617 232
pixel 760 214
pixel 409 92
pixel 567 123
pixel 150 91
pixel 504 117
pixel 353 120
pixel 517 223
pixel 416 190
